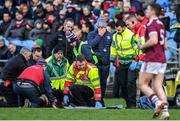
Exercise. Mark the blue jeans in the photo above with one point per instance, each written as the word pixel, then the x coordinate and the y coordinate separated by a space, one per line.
pixel 103 74
pixel 29 91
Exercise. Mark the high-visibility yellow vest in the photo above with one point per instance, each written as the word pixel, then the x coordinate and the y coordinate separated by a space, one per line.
pixel 58 81
pixel 79 52
pixel 124 46
pixel 88 77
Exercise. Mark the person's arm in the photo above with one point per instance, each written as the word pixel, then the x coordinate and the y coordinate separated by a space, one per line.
pixel 95 80
pixel 86 50
pixel 48 88
pixel 6 35
pixel 153 40
pixel 113 51
pixel 93 39
pixel 70 79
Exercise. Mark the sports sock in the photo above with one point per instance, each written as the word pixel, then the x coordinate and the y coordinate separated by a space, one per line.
pixel 154 99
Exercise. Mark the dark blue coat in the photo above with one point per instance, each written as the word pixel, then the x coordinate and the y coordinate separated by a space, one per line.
pixel 101 46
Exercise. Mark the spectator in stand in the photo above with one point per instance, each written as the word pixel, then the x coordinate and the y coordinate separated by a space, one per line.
pixel 37 32
pixel 13 50
pixel 6 22
pixel 106 16
pixel 111 27
pixel 36 7
pixel 58 5
pixel 87 15
pixel 3 49
pixel 86 28
pixel 126 5
pixel 16 29
pixel 97 3
pixel 135 4
pixel 29 27
pixel 50 9
pixel 77 30
pixel 62 15
pixel 25 10
pixel 71 13
pixel 10 7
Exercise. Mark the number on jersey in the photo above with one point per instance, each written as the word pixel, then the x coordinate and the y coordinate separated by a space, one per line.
pixel 162 35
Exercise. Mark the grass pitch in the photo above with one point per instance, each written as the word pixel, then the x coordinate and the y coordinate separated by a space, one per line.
pixel 98 114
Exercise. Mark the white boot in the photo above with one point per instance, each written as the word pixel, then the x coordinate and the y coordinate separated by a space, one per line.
pixel 165 116
pixel 158 109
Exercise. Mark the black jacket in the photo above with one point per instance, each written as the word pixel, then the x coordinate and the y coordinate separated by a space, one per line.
pixel 63 43
pixel 14 67
pixel 3 52
pixel 3 27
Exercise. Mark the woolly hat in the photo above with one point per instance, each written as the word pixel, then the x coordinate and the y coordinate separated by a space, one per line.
pixel 41 62
pixel 101 22
pixel 39 42
pixel 71 37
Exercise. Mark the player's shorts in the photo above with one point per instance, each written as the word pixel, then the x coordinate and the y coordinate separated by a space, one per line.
pixel 153 67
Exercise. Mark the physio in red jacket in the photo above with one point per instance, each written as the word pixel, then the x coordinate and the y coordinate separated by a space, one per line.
pixel 30 84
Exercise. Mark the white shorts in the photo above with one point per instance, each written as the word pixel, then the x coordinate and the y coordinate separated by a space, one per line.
pixel 153 67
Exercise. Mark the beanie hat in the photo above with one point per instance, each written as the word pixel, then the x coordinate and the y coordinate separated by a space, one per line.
pixel 57 49
pixel 30 23
pixel 39 42
pixel 101 22
pixel 88 7
pixel 38 21
pixel 71 37
pixel 41 62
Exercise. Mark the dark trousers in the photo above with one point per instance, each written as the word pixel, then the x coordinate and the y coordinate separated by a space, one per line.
pixel 103 74
pixel 116 86
pixel 81 95
pixel 126 79
pixel 29 91
pixel 10 96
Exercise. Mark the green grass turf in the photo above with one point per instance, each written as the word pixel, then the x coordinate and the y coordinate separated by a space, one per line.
pixel 62 114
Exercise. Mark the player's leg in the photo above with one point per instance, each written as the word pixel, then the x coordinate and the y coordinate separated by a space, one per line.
pixel 157 86
pixel 148 71
pixel 144 79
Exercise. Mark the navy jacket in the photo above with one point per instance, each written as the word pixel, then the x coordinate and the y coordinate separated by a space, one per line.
pixel 101 46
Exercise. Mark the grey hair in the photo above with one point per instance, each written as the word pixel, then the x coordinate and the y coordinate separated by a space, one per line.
pixel 25 50
pixel 68 19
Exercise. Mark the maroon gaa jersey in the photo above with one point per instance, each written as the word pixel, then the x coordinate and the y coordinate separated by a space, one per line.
pixel 155 53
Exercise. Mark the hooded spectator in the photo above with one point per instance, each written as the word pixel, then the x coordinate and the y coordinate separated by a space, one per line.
pixel 38 31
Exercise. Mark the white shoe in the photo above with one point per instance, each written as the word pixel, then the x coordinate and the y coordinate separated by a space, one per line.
pixel 158 109
pixel 165 116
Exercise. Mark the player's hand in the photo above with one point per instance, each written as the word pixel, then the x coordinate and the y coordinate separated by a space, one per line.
pixel 54 103
pixel 101 31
